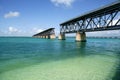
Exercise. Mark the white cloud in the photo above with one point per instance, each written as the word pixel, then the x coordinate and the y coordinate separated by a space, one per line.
pixel 13 30
pixel 63 2
pixel 11 14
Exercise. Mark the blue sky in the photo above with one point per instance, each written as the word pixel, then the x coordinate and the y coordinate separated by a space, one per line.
pixel 27 17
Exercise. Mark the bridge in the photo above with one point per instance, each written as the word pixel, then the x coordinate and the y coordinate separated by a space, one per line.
pixel 104 18
pixel 48 34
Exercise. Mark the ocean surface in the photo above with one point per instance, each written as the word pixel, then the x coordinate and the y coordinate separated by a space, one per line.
pixel 27 58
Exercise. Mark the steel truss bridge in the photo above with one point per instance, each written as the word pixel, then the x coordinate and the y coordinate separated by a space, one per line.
pixel 49 33
pixel 104 18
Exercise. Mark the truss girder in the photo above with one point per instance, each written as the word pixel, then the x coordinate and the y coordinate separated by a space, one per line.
pixel 108 19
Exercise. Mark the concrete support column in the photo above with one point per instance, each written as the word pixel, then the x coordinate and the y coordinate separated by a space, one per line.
pixel 81 36
pixel 43 36
pixel 46 37
pixel 52 36
pixel 40 36
pixel 61 37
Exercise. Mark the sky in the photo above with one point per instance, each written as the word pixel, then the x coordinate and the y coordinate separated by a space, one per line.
pixel 28 17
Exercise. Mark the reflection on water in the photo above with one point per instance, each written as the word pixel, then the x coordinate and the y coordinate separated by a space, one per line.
pixel 44 59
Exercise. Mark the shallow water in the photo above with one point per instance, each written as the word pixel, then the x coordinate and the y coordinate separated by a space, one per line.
pixel 26 58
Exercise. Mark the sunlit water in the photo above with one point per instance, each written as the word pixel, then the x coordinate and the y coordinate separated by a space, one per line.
pixel 45 59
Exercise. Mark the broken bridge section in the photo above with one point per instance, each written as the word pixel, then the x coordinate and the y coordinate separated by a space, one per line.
pixel 104 18
pixel 48 34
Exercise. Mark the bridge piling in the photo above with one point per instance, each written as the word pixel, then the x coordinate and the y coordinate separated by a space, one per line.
pixel 46 37
pixel 61 36
pixel 81 37
pixel 52 36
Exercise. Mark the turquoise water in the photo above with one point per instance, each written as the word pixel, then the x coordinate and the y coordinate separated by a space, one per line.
pixel 26 58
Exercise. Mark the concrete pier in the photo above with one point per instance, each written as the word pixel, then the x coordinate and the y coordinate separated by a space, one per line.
pixel 46 37
pixel 81 36
pixel 61 37
pixel 52 36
